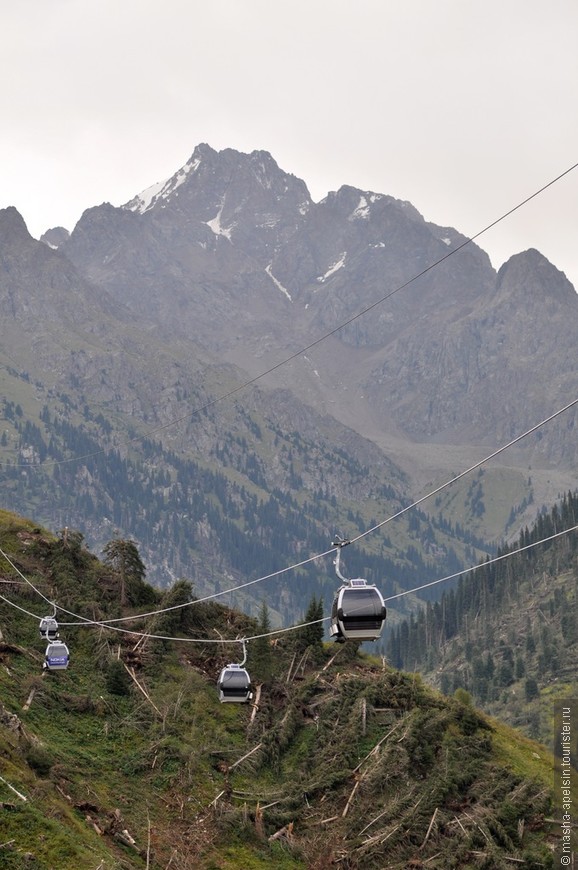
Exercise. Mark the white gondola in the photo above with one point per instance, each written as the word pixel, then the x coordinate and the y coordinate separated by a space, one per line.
pixel 234 685
pixel 358 611
pixel 57 656
pixel 48 628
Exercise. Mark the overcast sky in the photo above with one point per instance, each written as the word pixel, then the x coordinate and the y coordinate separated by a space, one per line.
pixel 462 107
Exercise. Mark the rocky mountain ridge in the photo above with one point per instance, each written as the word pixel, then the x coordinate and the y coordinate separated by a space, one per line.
pixel 346 324
pixel 232 250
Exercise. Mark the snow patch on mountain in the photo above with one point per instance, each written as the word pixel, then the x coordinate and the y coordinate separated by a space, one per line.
pixel 278 283
pixel 362 212
pixel 333 268
pixel 162 190
pixel 215 225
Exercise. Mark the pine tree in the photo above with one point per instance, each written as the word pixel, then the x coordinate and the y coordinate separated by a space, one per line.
pixel 311 635
pixel 261 660
pixel 123 557
pixel 531 688
pixel 117 679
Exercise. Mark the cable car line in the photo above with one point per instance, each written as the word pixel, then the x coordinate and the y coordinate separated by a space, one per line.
pixel 362 620
pixel 359 610
pixel 276 366
pixel 489 561
pixel 303 350
pixel 467 471
pixel 310 559
pixel 234 682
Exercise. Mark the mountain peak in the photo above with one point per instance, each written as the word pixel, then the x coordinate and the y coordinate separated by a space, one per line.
pixel 55 236
pixel 12 226
pixel 162 190
pixel 217 171
pixel 536 275
pixel 362 204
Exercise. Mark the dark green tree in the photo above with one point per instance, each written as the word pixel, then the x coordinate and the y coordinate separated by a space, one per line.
pixel 69 562
pixel 531 688
pixel 261 660
pixel 445 683
pixel 311 635
pixel 122 556
pixel 117 679
pixel 176 616
pixel 568 626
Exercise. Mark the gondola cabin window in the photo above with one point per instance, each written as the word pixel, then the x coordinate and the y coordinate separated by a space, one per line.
pixel 358 612
pixel 234 685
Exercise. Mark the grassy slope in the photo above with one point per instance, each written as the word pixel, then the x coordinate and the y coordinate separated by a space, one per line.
pixel 354 762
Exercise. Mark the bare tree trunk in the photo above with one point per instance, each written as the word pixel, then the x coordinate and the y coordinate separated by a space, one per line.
pixel 30 698
pixel 431 824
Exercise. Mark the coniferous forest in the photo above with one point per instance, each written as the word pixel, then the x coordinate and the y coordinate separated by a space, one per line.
pixel 217 517
pixel 508 631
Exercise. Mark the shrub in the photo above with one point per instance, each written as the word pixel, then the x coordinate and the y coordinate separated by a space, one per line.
pixel 39 760
pixel 117 679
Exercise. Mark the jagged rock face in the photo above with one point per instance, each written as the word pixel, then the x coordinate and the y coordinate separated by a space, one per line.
pixel 356 248
pixel 492 373
pixel 233 251
pixel 233 247
pixel 196 253
pixel 55 236
pixel 38 284
pixel 58 328
pixel 245 198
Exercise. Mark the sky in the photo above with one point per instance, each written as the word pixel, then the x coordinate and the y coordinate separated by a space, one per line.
pixel 463 107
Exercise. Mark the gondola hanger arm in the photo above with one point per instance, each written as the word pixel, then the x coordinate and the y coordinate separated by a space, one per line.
pixel 339 543
pixel 244 643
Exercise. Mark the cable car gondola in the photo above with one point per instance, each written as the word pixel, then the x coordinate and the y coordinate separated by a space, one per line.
pixel 57 656
pixel 48 627
pixel 234 685
pixel 358 611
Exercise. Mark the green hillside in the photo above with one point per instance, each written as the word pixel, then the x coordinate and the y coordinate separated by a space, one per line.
pixel 128 760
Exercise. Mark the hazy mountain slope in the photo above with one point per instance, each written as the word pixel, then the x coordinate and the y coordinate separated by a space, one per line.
pixel 111 426
pixel 150 312
pixel 469 380
pixel 458 356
